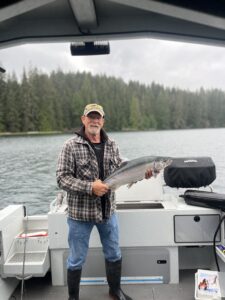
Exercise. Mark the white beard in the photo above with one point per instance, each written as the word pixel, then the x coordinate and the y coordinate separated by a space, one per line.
pixel 94 130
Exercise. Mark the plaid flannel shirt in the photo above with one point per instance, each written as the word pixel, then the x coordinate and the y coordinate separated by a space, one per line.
pixel 77 169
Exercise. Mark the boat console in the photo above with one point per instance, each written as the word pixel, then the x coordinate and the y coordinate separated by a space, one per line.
pixel 159 232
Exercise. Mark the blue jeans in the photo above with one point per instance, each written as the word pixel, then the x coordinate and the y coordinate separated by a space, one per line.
pixel 78 239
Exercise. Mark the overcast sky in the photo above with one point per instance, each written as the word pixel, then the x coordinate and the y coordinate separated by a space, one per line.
pixel 173 64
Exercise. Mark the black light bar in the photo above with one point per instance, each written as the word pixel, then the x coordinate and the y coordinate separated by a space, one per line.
pixel 89 48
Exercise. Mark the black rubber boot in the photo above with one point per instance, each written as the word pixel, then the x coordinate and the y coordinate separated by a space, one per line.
pixel 73 282
pixel 113 274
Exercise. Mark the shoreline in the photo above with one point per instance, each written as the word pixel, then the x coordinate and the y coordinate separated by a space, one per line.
pixel 36 133
pixel 30 133
pixel 33 133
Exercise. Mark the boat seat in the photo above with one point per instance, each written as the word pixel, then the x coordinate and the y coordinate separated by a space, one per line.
pixel 190 172
pixel 36 256
pixel 204 199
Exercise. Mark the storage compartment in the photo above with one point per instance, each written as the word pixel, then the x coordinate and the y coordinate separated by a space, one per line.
pixel 196 228
pixel 139 205
pixel 36 257
pixel 140 265
pixel 190 172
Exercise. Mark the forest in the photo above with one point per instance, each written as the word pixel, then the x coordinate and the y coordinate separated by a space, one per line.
pixel 55 102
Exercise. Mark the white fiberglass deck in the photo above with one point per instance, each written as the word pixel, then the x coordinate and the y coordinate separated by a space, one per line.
pixel 41 288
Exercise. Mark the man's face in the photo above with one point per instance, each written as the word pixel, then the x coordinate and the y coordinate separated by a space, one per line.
pixel 93 123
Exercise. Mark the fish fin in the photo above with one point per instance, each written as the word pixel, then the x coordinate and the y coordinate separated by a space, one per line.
pixel 124 163
pixel 113 187
pixel 130 184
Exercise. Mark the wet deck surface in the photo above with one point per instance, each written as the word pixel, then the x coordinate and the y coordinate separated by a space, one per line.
pixel 41 289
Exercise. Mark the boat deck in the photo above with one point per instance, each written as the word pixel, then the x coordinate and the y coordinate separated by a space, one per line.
pixel 41 288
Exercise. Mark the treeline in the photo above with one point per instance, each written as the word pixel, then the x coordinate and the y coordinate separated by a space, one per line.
pixel 55 102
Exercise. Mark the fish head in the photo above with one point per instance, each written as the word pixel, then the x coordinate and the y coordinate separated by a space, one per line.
pixel 161 162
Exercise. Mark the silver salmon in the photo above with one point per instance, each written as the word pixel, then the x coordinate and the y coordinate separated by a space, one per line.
pixel 134 170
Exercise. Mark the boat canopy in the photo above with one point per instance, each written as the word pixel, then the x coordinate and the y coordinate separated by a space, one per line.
pixel 35 21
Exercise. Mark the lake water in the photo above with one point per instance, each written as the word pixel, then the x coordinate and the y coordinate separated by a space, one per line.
pixel 28 164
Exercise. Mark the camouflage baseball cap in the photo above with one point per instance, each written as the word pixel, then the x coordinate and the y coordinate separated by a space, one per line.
pixel 94 107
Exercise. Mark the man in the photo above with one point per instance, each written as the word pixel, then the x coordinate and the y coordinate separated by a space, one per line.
pixel 84 162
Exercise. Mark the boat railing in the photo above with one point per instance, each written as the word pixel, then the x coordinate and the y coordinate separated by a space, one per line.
pixel 59 203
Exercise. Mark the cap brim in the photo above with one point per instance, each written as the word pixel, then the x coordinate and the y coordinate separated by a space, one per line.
pixel 94 110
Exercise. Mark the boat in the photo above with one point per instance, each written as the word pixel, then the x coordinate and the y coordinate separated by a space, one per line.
pixel 162 235
pixel 164 238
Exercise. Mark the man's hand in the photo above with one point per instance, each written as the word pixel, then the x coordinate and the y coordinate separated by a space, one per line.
pixel 99 188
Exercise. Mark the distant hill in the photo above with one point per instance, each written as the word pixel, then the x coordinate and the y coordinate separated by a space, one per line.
pixel 55 102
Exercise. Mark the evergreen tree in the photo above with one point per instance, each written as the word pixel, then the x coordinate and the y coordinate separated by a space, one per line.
pixel 42 102
pixel 162 110
pixel 135 116
pixel 2 101
pixel 28 102
pixel 11 106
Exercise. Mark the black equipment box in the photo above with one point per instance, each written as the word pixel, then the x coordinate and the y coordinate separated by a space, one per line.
pixel 204 199
pixel 190 172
